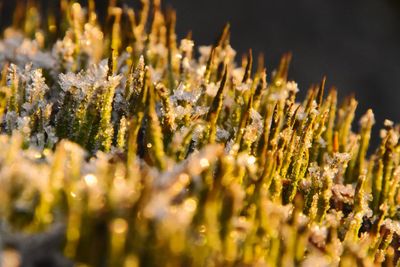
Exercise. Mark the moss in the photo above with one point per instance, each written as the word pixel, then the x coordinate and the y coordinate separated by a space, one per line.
pixel 153 157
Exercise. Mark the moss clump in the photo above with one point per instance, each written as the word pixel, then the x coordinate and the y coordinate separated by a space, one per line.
pixel 153 157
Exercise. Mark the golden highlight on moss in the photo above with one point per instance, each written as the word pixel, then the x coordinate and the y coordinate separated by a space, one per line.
pixel 150 156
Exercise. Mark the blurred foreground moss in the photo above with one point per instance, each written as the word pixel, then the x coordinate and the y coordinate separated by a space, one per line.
pixel 150 156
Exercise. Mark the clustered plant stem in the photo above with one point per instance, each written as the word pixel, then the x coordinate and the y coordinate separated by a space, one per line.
pixel 150 156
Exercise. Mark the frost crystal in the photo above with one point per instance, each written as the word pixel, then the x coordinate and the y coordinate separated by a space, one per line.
pixel 254 129
pixel 212 89
pixel 292 86
pixel 187 45
pixel 222 134
pixel 180 94
pixel 243 87
pixel 38 87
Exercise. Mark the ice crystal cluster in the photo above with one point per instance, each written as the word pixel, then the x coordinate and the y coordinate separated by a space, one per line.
pixel 123 146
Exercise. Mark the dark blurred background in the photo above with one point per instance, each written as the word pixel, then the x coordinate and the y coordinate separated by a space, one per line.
pixel 355 43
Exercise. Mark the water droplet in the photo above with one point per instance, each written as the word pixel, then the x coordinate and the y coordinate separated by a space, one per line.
pixel 251 160
pixel 204 163
pixel 190 205
pixel 90 179
pixel 119 226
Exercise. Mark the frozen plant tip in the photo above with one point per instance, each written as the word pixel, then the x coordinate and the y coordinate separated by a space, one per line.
pixel 122 148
